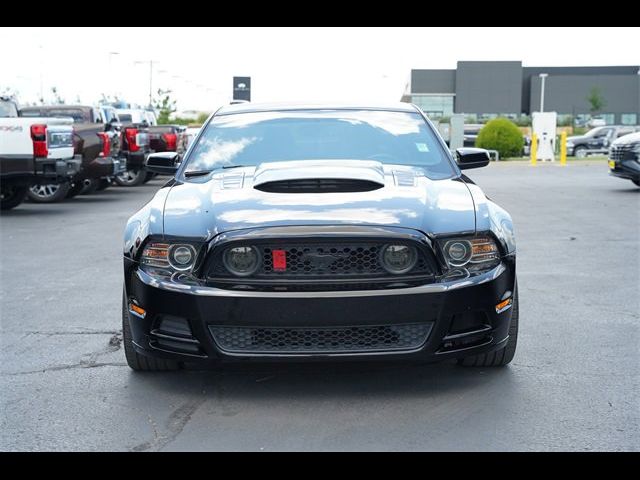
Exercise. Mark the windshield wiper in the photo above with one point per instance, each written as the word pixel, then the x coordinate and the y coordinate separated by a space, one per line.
pixel 197 173
pixel 234 166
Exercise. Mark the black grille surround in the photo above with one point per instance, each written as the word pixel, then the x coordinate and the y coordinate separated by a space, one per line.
pixel 321 265
pixel 319 340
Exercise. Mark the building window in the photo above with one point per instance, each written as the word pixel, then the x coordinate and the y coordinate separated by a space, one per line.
pixel 434 106
pixel 629 119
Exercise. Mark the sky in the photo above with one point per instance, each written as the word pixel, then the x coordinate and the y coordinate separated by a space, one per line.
pixel 315 64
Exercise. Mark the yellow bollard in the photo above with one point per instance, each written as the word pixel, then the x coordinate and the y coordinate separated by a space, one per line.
pixel 563 149
pixel 534 150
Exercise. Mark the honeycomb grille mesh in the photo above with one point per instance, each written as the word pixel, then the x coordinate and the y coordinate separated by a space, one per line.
pixel 622 152
pixel 292 340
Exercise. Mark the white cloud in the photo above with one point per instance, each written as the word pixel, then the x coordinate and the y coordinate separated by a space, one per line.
pixel 307 64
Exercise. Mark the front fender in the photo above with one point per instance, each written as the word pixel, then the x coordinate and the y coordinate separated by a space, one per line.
pixel 492 217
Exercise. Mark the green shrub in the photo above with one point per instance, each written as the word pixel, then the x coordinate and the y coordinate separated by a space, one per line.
pixel 503 135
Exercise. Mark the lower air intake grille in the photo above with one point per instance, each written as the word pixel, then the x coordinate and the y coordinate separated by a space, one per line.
pixel 306 340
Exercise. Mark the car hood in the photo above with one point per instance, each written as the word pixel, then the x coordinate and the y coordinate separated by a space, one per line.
pixel 576 138
pixel 400 196
pixel 627 139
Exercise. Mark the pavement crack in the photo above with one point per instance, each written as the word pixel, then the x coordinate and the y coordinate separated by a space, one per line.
pixel 64 332
pixel 55 368
pixel 174 426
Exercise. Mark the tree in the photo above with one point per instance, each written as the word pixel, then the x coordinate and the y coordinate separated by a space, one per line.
pixel 165 104
pixel 596 100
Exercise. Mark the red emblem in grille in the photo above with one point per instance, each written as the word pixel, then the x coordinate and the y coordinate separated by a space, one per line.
pixel 279 260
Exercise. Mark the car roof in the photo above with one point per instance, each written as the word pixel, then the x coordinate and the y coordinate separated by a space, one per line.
pixel 274 107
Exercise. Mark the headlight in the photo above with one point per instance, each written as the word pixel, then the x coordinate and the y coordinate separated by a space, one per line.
pixel 241 261
pixel 173 257
pixel 570 145
pixel 398 259
pixel 477 253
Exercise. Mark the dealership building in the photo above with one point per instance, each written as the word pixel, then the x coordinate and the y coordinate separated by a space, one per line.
pixel 483 90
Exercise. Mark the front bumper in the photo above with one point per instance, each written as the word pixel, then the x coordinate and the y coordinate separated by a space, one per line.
pixel 460 315
pixel 627 169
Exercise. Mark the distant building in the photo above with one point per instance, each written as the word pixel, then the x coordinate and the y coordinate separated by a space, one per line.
pixel 483 90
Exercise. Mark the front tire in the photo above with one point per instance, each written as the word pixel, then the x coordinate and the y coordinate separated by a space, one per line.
pixel 502 357
pixel 580 152
pixel 48 193
pixel 12 196
pixel 137 362
pixel 637 182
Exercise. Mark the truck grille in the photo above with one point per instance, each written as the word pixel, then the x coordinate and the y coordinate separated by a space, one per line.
pixel 622 152
pixel 323 260
pixel 309 340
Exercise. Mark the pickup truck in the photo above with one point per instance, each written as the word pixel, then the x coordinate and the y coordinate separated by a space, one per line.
pixel 150 138
pixel 97 141
pixel 597 140
pixel 35 152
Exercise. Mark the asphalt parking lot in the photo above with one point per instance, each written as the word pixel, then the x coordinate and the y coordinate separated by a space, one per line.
pixel 573 385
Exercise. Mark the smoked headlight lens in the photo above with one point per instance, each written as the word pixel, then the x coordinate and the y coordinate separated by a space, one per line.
pixel 241 261
pixel 399 259
pixel 173 257
pixel 478 252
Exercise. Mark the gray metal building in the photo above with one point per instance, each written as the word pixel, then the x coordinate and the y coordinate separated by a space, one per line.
pixel 484 90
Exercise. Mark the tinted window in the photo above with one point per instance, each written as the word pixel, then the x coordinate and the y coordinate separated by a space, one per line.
pixel 401 138
pixel 124 117
pixel 78 116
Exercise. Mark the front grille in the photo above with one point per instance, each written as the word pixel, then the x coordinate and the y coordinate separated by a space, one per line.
pixel 308 340
pixel 319 185
pixel 323 260
pixel 622 152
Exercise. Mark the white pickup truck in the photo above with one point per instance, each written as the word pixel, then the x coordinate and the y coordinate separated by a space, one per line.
pixel 33 151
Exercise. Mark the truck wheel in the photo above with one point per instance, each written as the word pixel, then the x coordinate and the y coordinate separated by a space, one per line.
pixel 12 196
pixel 131 178
pixel 136 361
pixel 48 193
pixel 580 152
pixel 503 356
pixel 149 176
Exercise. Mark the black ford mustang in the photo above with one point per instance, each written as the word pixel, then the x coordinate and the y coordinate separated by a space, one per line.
pixel 319 232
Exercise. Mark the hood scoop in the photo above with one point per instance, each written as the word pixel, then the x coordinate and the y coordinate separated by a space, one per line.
pixel 319 176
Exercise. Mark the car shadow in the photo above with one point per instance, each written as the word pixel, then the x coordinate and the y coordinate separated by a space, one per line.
pixel 340 380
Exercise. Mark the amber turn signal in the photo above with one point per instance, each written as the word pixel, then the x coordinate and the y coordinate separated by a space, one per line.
pixel 504 305
pixel 136 309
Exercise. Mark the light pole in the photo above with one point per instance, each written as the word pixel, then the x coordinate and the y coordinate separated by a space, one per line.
pixel 150 62
pixel 542 76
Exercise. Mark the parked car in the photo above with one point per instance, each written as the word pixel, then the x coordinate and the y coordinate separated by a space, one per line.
pixel 36 153
pixel 624 158
pixel 158 138
pixel 597 140
pixel 94 139
pixel 325 232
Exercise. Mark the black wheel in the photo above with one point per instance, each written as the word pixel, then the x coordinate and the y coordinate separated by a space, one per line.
pixel 12 196
pixel 131 178
pixel 75 189
pixel 136 361
pixel 503 356
pixel 637 182
pixel 103 184
pixel 580 152
pixel 149 176
pixel 48 193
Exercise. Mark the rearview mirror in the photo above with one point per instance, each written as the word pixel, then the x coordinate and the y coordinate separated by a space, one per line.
pixel 164 163
pixel 472 158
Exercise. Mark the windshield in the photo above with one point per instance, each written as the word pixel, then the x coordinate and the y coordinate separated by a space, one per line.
pixel 248 139
pixel 78 115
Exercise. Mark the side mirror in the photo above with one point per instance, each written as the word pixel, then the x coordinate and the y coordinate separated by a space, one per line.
pixel 164 163
pixel 472 158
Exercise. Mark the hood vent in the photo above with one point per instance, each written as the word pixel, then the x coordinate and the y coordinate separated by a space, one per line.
pixel 319 185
